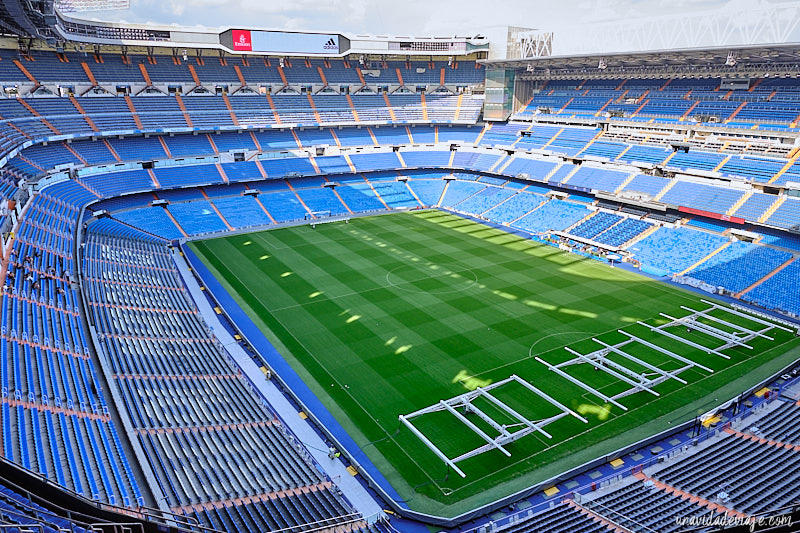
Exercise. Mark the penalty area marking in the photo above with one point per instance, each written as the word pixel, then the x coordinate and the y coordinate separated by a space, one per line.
pixel 530 350
pixel 530 353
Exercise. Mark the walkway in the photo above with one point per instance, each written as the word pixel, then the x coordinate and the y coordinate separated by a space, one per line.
pixel 353 490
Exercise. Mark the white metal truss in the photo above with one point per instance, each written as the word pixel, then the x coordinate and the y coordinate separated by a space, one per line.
pixel 739 24
pixel 646 381
pixel 703 322
pixel 750 316
pixel 738 338
pixel 526 42
pixel 638 381
pixel 74 6
pixel 464 402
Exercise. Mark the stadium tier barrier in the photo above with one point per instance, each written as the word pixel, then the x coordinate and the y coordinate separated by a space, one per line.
pixel 696 251
pixel 767 103
pixel 60 411
pixel 281 488
pixel 382 182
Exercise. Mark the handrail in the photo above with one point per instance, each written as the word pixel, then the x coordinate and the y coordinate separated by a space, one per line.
pixel 352 518
pixel 615 516
pixel 159 512
pixel 130 525
pixel 144 512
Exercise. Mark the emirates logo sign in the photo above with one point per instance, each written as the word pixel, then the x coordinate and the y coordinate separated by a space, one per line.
pixel 241 40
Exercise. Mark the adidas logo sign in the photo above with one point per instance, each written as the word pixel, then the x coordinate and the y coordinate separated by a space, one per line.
pixel 330 45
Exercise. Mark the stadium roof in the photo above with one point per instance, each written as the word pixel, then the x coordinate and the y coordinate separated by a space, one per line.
pixel 787 53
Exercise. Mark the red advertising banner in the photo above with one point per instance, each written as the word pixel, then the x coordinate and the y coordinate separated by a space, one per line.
pixel 709 214
pixel 242 41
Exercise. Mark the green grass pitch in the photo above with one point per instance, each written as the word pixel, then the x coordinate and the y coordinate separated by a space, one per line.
pixel 392 313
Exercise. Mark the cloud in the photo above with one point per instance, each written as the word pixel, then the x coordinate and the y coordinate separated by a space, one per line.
pixel 419 17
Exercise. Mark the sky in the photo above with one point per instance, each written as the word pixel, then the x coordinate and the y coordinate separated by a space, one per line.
pixel 420 17
pixel 394 17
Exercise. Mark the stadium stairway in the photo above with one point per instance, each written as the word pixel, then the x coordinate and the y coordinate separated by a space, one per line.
pixel 188 498
pixel 562 518
pixel 58 426
pixel 79 447
pixel 651 505
pixel 730 463
pixel 483 196
pixel 763 440
pixel 280 489
pixel 766 277
pixel 702 502
pixel 705 258
pixel 674 190
pixel 782 424
pixel 363 502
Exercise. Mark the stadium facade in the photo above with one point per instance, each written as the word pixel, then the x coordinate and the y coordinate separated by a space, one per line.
pixel 141 384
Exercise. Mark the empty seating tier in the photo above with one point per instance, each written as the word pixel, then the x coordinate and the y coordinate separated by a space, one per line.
pixel 193 414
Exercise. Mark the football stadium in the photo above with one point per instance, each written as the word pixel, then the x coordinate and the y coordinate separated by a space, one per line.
pixel 268 280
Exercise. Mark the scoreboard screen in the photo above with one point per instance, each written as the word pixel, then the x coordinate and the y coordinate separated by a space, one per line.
pixel 280 42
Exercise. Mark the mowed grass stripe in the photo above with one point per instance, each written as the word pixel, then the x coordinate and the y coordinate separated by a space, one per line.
pixel 451 344
pixel 280 336
pixel 320 263
pixel 335 372
pixel 337 320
